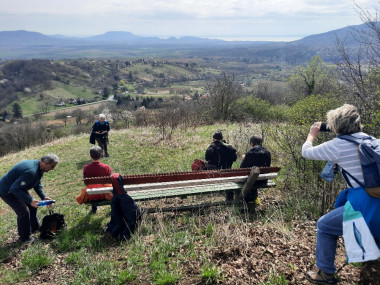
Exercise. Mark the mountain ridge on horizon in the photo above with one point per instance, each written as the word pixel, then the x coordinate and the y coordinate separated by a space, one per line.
pixel 22 43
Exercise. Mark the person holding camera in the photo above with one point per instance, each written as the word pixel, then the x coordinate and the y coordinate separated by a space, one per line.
pixel 344 120
pixel 14 190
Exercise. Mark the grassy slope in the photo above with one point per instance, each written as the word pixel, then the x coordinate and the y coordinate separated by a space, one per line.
pixel 186 248
pixel 60 91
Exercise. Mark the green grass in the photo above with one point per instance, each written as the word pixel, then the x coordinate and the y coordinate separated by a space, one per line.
pixel 276 279
pixel 131 153
pixel 36 257
pixel 60 91
pixel 168 248
pixel 211 274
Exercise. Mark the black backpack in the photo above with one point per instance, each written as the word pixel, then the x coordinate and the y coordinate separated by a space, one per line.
pixel 226 154
pixel 51 225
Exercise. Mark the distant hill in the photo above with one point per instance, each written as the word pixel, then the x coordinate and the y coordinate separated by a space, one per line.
pixel 26 38
pixel 24 44
pixel 116 37
pixel 328 39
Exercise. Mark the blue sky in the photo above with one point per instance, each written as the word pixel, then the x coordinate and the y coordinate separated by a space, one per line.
pixel 226 19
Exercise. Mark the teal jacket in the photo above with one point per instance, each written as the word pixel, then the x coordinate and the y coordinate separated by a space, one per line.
pixel 22 177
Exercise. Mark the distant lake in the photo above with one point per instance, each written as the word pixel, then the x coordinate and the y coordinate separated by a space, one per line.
pixel 260 38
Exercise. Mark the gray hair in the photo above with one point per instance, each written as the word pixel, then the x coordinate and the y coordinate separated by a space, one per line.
pixel 50 159
pixel 102 116
pixel 344 120
pixel 96 152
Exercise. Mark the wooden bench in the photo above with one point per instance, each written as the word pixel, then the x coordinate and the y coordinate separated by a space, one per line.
pixel 237 182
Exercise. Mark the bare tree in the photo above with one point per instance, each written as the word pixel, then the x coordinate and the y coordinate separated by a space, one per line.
pixel 222 95
pixel 79 115
pixel 360 65
pixel 62 116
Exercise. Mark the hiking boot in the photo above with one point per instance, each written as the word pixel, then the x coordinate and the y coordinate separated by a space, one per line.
pixel 28 240
pixel 321 277
pixel 106 155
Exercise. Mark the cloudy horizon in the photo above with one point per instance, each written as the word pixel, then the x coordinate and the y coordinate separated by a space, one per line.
pixel 224 19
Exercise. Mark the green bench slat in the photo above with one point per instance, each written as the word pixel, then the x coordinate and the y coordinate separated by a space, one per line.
pixel 182 191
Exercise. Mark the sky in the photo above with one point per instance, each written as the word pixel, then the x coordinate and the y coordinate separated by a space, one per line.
pixel 222 19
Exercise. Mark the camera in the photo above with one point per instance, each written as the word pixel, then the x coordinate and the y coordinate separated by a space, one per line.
pixel 324 128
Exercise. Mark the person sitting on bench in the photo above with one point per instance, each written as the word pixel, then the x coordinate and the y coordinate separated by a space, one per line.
pixel 95 169
pixel 219 155
pixel 256 156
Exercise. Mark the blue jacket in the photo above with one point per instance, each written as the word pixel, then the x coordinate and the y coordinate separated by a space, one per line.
pixel 22 177
pixel 99 127
pixel 367 205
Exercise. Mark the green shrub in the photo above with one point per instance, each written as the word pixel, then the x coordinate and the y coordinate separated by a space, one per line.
pixel 313 109
pixel 255 109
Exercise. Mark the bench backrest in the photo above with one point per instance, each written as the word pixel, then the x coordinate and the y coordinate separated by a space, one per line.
pixel 180 176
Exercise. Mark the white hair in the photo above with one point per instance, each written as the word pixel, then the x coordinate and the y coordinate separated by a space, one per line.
pixel 50 158
pixel 102 116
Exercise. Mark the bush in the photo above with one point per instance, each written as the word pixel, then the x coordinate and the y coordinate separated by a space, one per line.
pixel 313 109
pixel 255 109
pixel 302 181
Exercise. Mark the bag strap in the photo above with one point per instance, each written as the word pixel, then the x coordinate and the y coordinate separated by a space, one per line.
pixel 346 174
pixel 354 139
pixel 357 141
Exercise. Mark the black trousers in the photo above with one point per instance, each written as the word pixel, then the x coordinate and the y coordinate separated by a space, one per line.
pixel 102 142
pixel 27 218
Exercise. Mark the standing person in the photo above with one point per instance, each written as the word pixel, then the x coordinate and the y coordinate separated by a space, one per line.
pixel 14 190
pixel 99 132
pixel 219 155
pixel 96 168
pixel 342 121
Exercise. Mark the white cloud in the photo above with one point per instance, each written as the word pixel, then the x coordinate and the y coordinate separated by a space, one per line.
pixel 180 17
pixel 195 8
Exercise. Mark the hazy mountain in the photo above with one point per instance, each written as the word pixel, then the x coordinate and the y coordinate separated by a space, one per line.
pixel 26 38
pixel 116 37
pixel 328 39
pixel 24 44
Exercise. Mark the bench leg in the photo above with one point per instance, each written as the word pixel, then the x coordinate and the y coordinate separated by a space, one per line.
pixel 229 195
pixel 249 191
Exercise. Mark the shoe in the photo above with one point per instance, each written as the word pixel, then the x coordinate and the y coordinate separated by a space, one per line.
pixel 106 155
pixel 28 240
pixel 321 277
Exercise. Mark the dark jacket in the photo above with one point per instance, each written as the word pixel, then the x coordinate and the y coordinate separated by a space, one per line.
pixel 256 156
pixel 125 214
pixel 220 155
pixel 22 177
pixel 98 127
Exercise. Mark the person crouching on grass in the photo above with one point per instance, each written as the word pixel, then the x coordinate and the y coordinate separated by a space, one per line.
pixel 14 190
